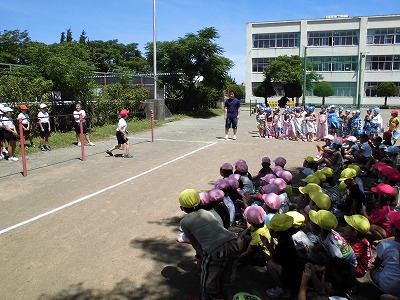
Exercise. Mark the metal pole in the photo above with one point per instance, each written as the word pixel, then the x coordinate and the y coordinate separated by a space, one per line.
pixel 154 49
pixel 359 81
pixel 304 75
pixel 152 125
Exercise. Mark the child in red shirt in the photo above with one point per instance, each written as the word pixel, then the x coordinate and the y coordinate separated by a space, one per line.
pixel 357 226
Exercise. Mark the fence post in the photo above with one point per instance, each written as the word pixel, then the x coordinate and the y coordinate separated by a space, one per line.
pixel 81 137
pixel 152 125
pixel 22 142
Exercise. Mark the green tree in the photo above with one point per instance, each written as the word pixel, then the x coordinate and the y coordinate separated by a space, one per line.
pixel 62 39
pixel 13 45
pixel 111 56
pixel 69 35
pixel 265 89
pixel 289 71
pixel 195 66
pixel 324 89
pixel 82 37
pixel 387 89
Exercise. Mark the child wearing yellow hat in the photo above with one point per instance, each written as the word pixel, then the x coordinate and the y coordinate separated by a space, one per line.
pixel 356 228
pixel 285 267
pixel 330 187
pixel 332 243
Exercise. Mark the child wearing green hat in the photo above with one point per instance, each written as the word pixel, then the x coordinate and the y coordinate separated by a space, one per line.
pixel 332 243
pixel 285 267
pixel 216 246
pixel 356 228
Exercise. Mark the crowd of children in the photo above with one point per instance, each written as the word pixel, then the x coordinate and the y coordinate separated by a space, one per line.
pixel 322 238
pixel 303 123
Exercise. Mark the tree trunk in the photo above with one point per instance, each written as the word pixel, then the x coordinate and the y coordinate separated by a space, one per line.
pixel 323 100
pixel 385 101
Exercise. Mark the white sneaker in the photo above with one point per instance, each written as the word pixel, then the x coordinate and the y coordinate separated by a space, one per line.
pixel 79 144
pixel 91 144
pixel 226 137
pixel 13 158
pixel 234 137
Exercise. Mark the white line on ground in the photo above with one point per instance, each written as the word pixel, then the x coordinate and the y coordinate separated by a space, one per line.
pixel 167 140
pixel 100 191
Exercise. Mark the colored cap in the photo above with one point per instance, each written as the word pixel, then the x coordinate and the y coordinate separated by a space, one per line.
pixel 312 179
pixel 277 170
pixel 286 175
pixel 242 168
pixel 233 182
pixel 267 178
pixel 23 107
pixel 392 149
pixel 272 200
pixel 328 171
pixel 235 176
pixel 347 174
pixel 204 198
pixel 321 176
pixel 394 218
pixel 7 109
pixel 323 201
pixel 124 113
pixel 222 184
pixel 377 109
pixel 216 195
pixel 309 188
pixel 358 222
pixel 279 182
pixel 271 188
pixel 280 161
pixel 43 105
pixel 384 190
pixel 280 222
pixel 189 198
pixel 226 166
pixel 324 219
pixel 351 139
pixel 298 218
pixel 329 137
pixel 255 214
pixel 266 160
pixel 337 142
pixel 342 187
pixel 310 159
pixel 394 112
pixel 245 296
pixel 356 168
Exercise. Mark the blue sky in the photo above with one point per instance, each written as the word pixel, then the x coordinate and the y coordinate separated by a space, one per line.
pixel 131 21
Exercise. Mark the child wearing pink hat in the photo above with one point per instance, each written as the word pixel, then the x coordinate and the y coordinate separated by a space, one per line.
pixel 225 170
pixel 252 249
pixel 121 134
pixel 272 203
pixel 265 170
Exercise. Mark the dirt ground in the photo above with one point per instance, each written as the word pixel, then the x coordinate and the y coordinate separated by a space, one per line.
pixel 105 228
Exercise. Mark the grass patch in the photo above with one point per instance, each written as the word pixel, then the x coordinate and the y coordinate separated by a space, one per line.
pixel 135 125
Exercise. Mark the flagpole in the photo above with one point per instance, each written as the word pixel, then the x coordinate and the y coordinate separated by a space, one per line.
pixel 154 50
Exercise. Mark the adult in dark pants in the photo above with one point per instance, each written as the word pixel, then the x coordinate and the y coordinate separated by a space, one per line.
pixel 232 112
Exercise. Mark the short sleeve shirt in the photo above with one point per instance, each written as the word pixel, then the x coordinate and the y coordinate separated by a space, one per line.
pixel 43 116
pixel 232 106
pixel 122 124
pixel 8 122
pixel 77 113
pixel 367 150
pixel 337 246
pixel 24 118
pixel 256 240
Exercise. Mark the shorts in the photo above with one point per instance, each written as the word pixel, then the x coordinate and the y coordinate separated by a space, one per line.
pixel 333 129
pixel 46 132
pixel 24 126
pixel 121 138
pixel 9 137
pixel 231 122
pixel 2 134
pixel 78 128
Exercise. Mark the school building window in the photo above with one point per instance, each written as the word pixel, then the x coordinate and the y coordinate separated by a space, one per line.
pixel 345 89
pixel 259 64
pixel 333 63
pixel 276 40
pixel 332 38
pixel 384 36
pixel 383 63
pixel 370 88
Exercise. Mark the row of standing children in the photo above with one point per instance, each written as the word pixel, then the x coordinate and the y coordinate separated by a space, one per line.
pixel 302 123
pixel 295 238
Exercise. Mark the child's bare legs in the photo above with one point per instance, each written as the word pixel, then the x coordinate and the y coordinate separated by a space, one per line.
pixel 11 147
pixel 127 146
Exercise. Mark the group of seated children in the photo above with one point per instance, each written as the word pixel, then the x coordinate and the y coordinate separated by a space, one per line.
pixel 326 230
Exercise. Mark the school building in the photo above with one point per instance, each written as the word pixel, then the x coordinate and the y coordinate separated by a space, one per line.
pixel 355 54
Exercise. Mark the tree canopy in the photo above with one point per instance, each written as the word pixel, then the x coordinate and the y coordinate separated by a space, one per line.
pixel 386 89
pixel 324 89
